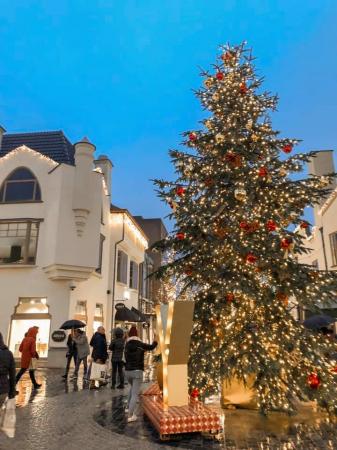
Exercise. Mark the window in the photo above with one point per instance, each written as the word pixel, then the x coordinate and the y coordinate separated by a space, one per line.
pixel 133 279
pixel 20 186
pixel 18 241
pixel 122 267
pixel 100 257
pixel 81 311
pixel 333 245
pixel 98 318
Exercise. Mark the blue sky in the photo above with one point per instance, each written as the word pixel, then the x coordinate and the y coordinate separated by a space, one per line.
pixel 122 73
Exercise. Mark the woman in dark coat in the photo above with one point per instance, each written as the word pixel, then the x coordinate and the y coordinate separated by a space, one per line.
pixel 7 372
pixel 28 352
pixel 117 348
pixel 71 353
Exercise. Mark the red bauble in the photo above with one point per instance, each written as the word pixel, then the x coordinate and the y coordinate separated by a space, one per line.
pixel 251 259
pixel 287 148
pixel 263 172
pixel 335 369
pixel 195 393
pixel 180 191
pixel 220 76
pixel 243 88
pixel 189 271
pixel 314 381
pixel 304 225
pixel 271 225
pixel 229 297
pixel 244 225
pixel 180 236
pixel 286 243
pixel 192 136
pixel 209 182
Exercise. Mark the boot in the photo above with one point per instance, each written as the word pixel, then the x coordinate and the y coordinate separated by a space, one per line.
pixel 32 377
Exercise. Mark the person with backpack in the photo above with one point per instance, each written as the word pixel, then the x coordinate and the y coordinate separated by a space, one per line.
pixel 117 347
pixel 134 368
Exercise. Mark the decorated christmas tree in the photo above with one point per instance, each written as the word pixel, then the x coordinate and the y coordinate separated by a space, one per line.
pixel 236 212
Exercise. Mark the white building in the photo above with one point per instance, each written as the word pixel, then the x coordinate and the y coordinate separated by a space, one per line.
pixel 322 239
pixel 64 251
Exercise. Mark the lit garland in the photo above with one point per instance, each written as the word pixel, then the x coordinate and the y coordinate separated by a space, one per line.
pixel 232 203
pixel 24 148
pixel 119 217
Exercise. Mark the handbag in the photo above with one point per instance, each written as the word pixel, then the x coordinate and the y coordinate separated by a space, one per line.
pixel 8 417
pixel 33 364
pixel 98 371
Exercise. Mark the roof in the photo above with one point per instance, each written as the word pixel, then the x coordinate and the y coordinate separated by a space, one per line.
pixel 53 144
pixel 116 209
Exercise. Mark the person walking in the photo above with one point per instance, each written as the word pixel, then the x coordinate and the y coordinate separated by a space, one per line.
pixel 134 368
pixel 99 352
pixel 117 347
pixel 71 353
pixel 7 373
pixel 83 351
pixel 28 356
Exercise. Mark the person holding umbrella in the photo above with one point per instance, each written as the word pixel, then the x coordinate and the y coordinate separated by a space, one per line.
pixel 71 344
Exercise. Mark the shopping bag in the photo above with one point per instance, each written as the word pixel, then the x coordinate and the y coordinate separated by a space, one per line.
pixel 98 371
pixel 8 417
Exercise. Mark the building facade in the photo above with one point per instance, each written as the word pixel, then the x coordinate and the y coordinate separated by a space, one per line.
pixel 61 241
pixel 321 240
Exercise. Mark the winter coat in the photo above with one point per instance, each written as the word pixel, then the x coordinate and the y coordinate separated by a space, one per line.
pixel 117 346
pixel 99 347
pixel 134 353
pixel 82 345
pixel 7 371
pixel 28 348
pixel 72 349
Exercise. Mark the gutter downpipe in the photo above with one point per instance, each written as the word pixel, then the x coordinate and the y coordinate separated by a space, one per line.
pixel 114 275
pixel 324 249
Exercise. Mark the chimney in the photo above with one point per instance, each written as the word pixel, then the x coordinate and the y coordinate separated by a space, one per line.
pixel 104 163
pixel 2 132
pixel 84 159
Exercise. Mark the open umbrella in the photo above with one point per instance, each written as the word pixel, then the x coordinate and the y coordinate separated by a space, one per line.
pixel 69 324
pixel 318 321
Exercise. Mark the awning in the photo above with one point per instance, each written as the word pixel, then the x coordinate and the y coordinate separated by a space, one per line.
pixel 124 314
pixel 141 316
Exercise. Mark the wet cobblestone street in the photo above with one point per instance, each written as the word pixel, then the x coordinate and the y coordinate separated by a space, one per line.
pixel 67 415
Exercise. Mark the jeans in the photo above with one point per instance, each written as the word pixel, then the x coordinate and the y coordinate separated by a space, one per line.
pixel 31 374
pixel 117 366
pixel 69 358
pixel 135 379
pixel 78 363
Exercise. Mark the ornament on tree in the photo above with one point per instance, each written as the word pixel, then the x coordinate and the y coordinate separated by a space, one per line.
pixel 263 172
pixel 216 97
pixel 283 298
pixel 304 225
pixel 249 124
pixel 189 271
pixel 195 394
pixel 254 137
pixel 209 82
pixel 282 172
pixel 209 182
pixel 228 57
pixel 251 258
pixel 219 138
pixel 180 191
pixel 243 88
pixel 288 246
pixel 229 297
pixel 180 236
pixel 240 194
pixel 233 159
pixel 287 148
pixel 209 124
pixel 271 225
pixel 192 136
pixel 220 231
pixel 249 227
pixel 314 380
pixel 173 204
pixel 220 76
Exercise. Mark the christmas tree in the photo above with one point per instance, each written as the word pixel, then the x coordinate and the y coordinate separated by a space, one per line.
pixel 236 211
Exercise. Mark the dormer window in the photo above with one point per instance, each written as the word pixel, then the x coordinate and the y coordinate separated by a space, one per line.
pixel 19 187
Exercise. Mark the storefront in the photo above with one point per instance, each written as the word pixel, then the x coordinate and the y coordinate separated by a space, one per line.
pixel 28 313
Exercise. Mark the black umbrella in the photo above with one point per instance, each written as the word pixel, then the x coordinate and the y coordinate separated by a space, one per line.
pixel 69 324
pixel 318 321
pixel 124 314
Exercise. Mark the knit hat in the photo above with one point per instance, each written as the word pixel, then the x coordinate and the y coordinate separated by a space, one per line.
pixel 133 331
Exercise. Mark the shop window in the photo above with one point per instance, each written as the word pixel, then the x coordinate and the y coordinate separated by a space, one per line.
pixel 20 186
pixel 30 312
pixel 98 317
pixel 333 245
pixel 81 311
pixel 133 278
pixel 122 267
pixel 100 256
pixel 18 241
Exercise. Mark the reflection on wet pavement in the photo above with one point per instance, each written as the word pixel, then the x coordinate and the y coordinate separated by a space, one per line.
pixel 52 384
pixel 243 429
